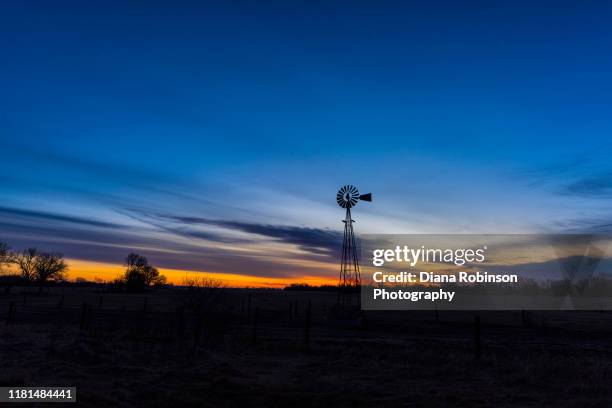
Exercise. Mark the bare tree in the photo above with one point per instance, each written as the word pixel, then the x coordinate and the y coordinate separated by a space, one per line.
pixel 5 256
pixel 49 267
pixel 135 262
pixel 203 297
pixel 26 261
pixel 7 279
pixel 152 276
pixel 139 274
pixel 201 293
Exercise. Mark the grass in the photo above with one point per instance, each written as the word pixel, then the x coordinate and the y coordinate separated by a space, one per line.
pixel 127 357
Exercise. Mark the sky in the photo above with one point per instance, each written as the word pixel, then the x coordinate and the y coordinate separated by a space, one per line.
pixel 212 137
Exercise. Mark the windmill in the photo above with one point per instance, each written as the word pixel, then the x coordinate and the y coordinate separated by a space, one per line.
pixel 348 196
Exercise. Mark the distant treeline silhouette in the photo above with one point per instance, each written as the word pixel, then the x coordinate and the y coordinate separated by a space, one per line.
pixel 42 268
pixel 307 287
pixel 139 275
pixel 34 266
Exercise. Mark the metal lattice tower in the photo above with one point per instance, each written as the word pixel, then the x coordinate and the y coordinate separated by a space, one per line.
pixel 350 278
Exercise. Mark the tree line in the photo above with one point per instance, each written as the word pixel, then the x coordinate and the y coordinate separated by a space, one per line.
pixel 34 266
pixel 38 267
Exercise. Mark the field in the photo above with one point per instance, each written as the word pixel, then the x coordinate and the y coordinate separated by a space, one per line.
pixel 239 347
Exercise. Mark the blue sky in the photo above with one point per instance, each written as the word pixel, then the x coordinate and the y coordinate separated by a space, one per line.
pixel 213 135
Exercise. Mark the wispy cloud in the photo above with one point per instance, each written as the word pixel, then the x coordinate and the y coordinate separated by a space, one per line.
pixel 591 186
pixel 172 242
pixel 314 240
pixel 88 177
pixel 12 213
pixel 588 225
pixel 585 174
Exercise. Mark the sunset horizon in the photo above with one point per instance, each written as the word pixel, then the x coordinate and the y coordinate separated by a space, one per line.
pixel 218 143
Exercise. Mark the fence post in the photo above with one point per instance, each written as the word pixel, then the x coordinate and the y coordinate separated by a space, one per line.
pixel 100 301
pixel 198 327
pixel 146 303
pixel 88 317
pixel 477 345
pixel 290 310
pixel 10 316
pixel 84 308
pixel 60 304
pixel 180 323
pixel 255 322
pixel 249 308
pixel 307 325
pixel 363 320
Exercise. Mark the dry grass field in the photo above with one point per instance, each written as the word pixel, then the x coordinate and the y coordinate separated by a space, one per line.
pixel 256 348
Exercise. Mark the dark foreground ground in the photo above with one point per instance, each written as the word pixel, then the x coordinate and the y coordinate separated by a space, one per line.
pixel 181 348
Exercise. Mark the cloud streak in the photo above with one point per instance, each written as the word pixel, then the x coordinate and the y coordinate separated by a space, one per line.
pixel 593 186
pixel 172 242
pixel 314 240
pixel 11 213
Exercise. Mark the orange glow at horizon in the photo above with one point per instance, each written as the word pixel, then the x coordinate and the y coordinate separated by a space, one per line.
pixel 107 272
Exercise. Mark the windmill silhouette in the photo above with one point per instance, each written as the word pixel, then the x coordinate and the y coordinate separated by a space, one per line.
pixel 350 279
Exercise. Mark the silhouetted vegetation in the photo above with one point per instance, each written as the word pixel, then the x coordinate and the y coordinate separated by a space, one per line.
pixel 9 281
pixel 139 275
pixel 307 287
pixel 33 266
pixel 202 297
pixel 200 294
pixel 5 256
pixel 49 267
pixel 26 262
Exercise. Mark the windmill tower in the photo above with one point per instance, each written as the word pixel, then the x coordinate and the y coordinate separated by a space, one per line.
pixel 350 278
